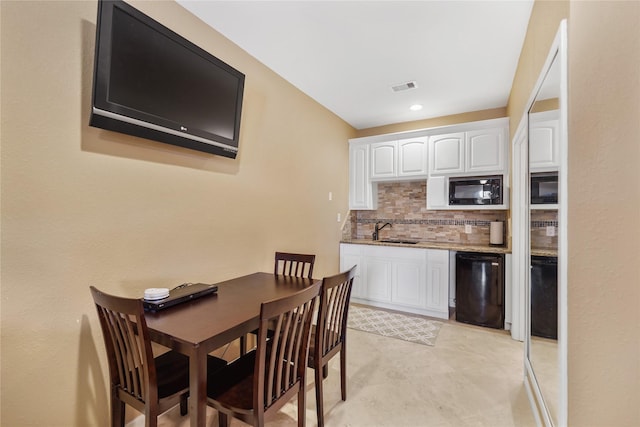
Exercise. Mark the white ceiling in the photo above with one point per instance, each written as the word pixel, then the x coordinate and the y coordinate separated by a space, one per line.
pixel 347 54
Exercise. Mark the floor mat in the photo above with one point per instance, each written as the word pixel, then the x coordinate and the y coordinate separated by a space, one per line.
pixel 401 326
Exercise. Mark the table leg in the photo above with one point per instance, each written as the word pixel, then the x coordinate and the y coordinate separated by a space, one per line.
pixel 198 389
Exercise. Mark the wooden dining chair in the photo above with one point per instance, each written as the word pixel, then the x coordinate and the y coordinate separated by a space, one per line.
pixel 287 264
pixel 152 385
pixel 329 335
pixel 255 386
pixel 298 265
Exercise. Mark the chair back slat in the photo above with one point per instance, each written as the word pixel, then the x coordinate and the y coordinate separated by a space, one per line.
pixel 126 353
pixel 128 345
pixel 333 311
pixel 132 349
pixel 116 343
pixel 290 264
pixel 270 374
pixel 281 360
pixel 331 331
pixel 286 352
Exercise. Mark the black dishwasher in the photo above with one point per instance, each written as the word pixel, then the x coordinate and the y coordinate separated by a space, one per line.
pixel 480 289
pixel 544 297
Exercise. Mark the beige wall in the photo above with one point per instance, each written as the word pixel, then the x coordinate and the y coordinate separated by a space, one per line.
pixel 604 151
pixel 85 206
pixel 472 116
pixel 543 26
pixel 604 210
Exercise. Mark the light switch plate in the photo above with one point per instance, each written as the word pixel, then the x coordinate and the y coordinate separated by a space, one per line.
pixel 551 231
pixel 467 228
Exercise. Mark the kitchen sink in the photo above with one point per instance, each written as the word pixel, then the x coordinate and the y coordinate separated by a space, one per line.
pixel 405 242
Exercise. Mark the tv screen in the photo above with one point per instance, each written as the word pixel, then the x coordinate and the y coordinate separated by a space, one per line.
pixel 152 83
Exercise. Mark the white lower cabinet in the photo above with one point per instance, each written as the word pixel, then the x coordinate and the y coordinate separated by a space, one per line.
pixel 350 256
pixel 378 273
pixel 408 286
pixel 414 280
pixel 438 276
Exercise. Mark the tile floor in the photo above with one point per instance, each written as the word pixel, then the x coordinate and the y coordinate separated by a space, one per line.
pixel 473 376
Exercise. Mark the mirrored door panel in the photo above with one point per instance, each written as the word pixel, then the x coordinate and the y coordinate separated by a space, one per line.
pixel 543 289
pixel 546 210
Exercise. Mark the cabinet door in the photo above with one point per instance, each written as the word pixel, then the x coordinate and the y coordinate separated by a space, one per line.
pixel 383 160
pixel 485 150
pixel 437 192
pixel 361 191
pixel 351 255
pixel 409 283
pixel 446 153
pixel 412 157
pixel 438 280
pixel 543 147
pixel 347 261
pixel 378 276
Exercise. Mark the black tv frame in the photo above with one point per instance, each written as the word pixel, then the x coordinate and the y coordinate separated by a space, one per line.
pixel 120 118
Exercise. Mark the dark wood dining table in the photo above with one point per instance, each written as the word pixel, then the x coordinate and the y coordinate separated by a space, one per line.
pixel 200 326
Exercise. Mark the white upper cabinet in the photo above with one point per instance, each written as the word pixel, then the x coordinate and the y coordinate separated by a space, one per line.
pixel 361 189
pixel 485 150
pixel 384 160
pixel 412 157
pixel 543 141
pixel 399 160
pixel 481 151
pixel 437 193
pixel 447 153
pixel 465 149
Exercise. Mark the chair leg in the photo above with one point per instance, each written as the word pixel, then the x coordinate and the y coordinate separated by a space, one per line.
pixel 151 418
pixel 302 403
pixel 343 372
pixel 117 411
pixel 319 398
pixel 243 345
pixel 223 419
pixel 184 404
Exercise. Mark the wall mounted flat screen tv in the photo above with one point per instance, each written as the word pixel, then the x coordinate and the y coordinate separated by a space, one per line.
pixel 152 83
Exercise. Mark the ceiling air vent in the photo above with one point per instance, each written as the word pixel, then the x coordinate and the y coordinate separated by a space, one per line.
pixel 404 86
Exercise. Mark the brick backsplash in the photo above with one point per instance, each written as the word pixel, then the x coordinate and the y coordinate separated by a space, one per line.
pixel 403 204
pixel 540 220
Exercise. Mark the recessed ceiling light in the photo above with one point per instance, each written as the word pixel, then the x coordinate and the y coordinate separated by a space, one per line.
pixel 416 107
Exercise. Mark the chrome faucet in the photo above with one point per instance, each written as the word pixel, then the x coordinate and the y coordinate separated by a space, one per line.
pixel 377 229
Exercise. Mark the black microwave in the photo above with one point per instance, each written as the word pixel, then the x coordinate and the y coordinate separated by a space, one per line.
pixel 544 188
pixel 480 190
